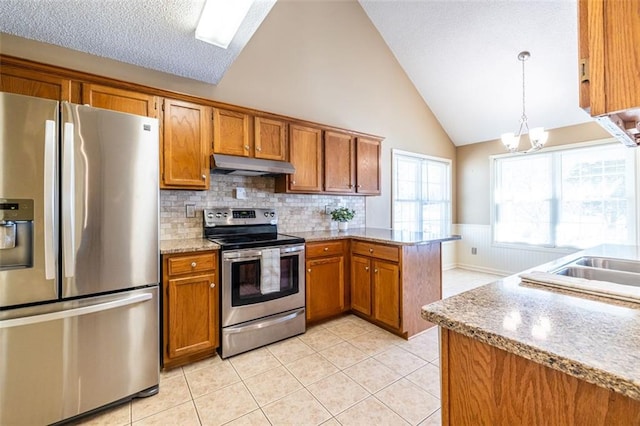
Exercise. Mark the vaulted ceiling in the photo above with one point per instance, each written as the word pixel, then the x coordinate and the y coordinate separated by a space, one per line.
pixel 460 54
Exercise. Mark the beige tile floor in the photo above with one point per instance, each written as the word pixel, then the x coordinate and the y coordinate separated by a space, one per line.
pixel 343 372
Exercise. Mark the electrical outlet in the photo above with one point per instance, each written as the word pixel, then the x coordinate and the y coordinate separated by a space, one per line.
pixel 190 210
pixel 474 250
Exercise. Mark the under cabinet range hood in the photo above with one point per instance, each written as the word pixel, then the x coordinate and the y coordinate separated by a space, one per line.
pixel 624 126
pixel 246 166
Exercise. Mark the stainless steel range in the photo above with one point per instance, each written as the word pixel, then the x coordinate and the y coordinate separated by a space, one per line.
pixel 263 287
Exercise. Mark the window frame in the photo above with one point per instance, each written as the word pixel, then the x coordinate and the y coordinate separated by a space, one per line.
pixel 449 176
pixel 565 147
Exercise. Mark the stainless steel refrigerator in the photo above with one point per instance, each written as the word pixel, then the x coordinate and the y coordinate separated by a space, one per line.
pixel 79 259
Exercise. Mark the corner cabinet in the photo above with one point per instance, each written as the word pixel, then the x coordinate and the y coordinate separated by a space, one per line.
pixel 609 55
pixel 119 100
pixel 34 83
pixel 186 130
pixel 190 319
pixel 390 284
pixel 326 279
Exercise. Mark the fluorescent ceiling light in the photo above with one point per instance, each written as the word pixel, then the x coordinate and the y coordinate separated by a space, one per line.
pixel 220 20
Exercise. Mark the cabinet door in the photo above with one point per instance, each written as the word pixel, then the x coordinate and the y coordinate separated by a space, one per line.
pixel 386 293
pixel 325 287
pixel 368 166
pixel 605 31
pixel 192 310
pixel 185 152
pixel 270 139
pixel 120 100
pixel 361 284
pixel 231 133
pixel 305 153
pixel 33 83
pixel 339 162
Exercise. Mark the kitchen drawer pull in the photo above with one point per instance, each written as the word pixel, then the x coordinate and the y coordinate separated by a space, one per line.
pixel 212 285
pixel 194 264
pixel 370 250
pixel 326 249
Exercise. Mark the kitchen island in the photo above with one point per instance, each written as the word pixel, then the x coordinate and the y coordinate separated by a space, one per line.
pixel 513 353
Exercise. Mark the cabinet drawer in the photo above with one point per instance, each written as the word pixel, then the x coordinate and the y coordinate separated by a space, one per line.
pixel 325 248
pixel 191 263
pixel 376 250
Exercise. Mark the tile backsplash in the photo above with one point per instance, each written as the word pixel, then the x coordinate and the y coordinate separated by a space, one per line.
pixel 297 212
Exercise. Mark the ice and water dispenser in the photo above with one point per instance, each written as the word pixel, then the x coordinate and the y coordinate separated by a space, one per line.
pixel 16 233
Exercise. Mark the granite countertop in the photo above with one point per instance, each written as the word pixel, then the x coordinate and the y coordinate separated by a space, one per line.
pixel 186 245
pixel 588 337
pixel 380 235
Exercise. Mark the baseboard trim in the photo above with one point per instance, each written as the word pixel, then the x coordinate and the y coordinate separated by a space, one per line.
pixel 476 268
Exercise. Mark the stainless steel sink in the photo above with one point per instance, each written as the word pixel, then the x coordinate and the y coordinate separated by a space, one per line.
pixel 601 276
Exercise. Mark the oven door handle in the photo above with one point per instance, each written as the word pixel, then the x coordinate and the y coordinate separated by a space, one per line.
pixel 263 323
pixel 241 259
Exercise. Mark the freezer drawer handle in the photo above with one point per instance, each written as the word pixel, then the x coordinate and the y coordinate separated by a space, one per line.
pixel 52 316
pixel 49 197
pixel 68 204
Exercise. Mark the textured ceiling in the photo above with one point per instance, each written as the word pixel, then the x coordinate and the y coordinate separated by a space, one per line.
pixel 460 54
pixel 156 34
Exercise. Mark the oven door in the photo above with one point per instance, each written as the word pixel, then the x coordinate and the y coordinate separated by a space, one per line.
pixel 244 272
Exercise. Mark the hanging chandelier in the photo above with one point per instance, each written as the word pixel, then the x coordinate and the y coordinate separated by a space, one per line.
pixel 537 135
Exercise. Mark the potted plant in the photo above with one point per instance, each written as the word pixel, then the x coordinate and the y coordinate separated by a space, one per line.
pixel 342 215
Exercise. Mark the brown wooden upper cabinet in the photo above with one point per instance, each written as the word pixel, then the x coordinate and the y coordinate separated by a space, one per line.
pixel 231 133
pixel 186 145
pixel 120 100
pixel 339 162
pixel 34 83
pixel 609 57
pixel 240 134
pixel 367 166
pixel 351 164
pixel 270 139
pixel 305 153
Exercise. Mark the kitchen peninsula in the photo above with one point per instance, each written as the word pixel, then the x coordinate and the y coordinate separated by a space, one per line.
pixel 513 353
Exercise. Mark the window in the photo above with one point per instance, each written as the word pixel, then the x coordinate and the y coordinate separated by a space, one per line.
pixel 421 193
pixel 565 198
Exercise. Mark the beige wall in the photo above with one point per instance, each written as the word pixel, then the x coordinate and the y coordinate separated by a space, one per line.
pixel 474 168
pixel 321 61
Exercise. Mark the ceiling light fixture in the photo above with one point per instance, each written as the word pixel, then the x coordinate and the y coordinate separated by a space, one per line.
pixel 220 20
pixel 537 135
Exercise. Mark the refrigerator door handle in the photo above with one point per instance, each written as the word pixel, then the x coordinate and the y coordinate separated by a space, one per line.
pixel 49 198
pixel 68 201
pixel 52 316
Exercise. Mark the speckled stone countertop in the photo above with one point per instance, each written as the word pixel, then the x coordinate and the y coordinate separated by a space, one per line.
pixel 588 337
pixel 187 245
pixel 380 235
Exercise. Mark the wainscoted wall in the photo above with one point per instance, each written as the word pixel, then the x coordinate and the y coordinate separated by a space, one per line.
pixel 297 212
pixel 449 255
pixel 495 260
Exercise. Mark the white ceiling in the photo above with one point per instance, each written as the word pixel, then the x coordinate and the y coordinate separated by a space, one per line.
pixel 460 54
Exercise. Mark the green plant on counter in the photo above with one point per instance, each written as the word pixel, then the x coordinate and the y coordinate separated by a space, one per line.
pixel 342 214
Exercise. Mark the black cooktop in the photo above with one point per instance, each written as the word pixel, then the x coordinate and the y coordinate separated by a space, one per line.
pixel 235 242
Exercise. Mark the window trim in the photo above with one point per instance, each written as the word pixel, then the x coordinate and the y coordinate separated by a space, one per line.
pixel 447 161
pixel 564 147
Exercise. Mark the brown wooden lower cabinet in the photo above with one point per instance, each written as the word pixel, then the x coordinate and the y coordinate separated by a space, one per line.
pixel 326 283
pixel 390 283
pixel 484 385
pixel 190 295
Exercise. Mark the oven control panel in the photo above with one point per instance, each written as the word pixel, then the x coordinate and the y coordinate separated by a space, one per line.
pixel 228 216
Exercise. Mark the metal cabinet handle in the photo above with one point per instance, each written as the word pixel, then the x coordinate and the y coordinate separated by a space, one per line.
pixel 258 149
pixel 370 250
pixel 293 182
pixel 246 147
pixel 193 264
pixel 212 285
pixel 326 249
pixel 309 270
pixel 204 177
pixel 375 270
pixel 366 268
pixel 358 186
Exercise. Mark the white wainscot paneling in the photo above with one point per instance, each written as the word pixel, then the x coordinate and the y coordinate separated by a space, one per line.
pixel 494 259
